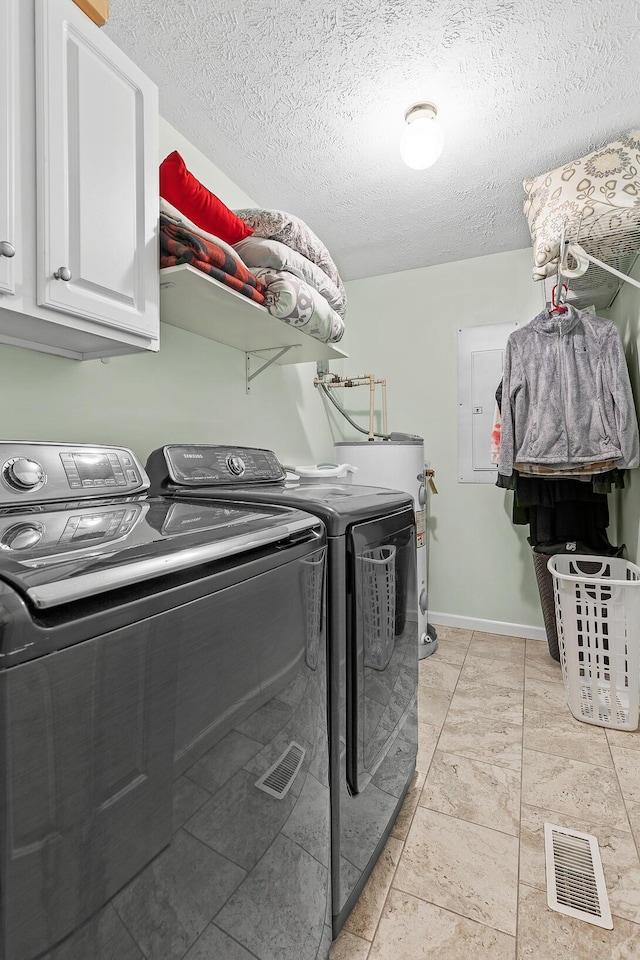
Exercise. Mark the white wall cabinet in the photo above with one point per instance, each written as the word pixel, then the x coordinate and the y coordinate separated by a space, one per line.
pixel 7 216
pixel 82 129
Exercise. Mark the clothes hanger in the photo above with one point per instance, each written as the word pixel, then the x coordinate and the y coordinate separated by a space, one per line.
pixel 557 306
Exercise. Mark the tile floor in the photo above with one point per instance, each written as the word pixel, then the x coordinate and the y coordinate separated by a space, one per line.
pixel 463 875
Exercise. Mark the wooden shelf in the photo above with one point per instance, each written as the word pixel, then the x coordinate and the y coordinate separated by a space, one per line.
pixel 196 302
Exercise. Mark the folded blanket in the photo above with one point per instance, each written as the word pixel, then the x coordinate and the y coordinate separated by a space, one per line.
pixel 179 245
pixel 294 233
pixel 173 213
pixel 291 299
pixel 259 252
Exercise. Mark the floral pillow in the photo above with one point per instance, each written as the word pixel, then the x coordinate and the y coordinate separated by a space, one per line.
pixel 596 198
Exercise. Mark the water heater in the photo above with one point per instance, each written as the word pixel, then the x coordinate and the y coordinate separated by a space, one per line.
pixel 398 464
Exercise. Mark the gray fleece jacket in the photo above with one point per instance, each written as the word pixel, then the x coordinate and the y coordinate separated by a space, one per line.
pixel 566 395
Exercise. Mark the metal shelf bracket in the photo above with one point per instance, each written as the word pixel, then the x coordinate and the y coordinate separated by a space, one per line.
pixel 254 353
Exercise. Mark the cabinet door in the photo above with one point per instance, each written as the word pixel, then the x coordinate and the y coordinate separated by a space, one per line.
pixel 97 192
pixel 7 148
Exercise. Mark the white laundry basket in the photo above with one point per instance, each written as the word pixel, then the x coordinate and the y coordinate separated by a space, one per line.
pixel 598 615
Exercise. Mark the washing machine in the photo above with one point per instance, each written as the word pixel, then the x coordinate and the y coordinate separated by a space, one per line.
pixel 163 741
pixel 372 636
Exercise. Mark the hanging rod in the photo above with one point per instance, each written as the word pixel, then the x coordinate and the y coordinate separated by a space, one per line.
pixel 609 269
pixel 564 244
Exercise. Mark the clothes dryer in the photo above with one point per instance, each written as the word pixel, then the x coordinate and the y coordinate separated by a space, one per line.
pixel 163 744
pixel 398 464
pixel 372 636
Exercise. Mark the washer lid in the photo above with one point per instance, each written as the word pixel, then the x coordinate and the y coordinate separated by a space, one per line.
pixel 74 551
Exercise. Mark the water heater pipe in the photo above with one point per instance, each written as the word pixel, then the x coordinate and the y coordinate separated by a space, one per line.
pixel 372 404
pixel 359 381
pixel 384 405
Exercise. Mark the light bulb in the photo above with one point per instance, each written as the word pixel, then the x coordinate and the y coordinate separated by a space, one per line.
pixel 422 138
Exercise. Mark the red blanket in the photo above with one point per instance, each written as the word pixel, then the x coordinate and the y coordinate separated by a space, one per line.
pixel 179 245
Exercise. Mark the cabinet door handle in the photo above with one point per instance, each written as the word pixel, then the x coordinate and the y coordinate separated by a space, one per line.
pixel 7 249
pixel 62 273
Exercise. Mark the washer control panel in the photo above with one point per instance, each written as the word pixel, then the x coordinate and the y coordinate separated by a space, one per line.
pixel 212 464
pixel 43 472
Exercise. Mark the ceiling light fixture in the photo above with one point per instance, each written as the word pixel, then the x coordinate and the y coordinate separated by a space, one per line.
pixel 422 138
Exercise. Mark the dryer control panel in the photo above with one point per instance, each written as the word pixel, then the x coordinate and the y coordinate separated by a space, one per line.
pixel 33 472
pixel 212 464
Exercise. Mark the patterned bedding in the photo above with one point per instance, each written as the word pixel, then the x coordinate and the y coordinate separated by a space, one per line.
pixel 595 198
pixel 291 299
pixel 294 233
pixel 174 214
pixel 180 245
pixel 287 297
pixel 258 252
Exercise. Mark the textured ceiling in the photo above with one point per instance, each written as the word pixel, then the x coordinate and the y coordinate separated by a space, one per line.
pixel 302 104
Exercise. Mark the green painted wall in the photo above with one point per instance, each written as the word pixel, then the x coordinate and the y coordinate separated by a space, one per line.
pixel 402 327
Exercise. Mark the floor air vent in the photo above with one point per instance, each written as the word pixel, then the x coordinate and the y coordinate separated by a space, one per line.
pixel 279 777
pixel 575 879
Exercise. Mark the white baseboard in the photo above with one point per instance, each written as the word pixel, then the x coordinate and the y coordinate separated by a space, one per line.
pixel 488 626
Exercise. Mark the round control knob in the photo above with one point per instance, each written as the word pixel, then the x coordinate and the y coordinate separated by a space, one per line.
pixel 62 273
pixel 21 536
pixel 236 465
pixel 7 249
pixel 23 474
pixel 422 497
